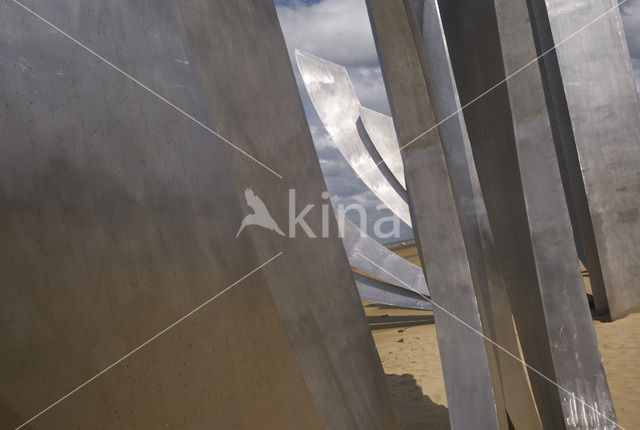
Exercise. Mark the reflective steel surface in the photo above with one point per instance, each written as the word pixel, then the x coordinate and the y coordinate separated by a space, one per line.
pixel 493 301
pixel 516 162
pixel 595 109
pixel 258 106
pixel 118 216
pixel 368 255
pixel 376 291
pixel 469 379
pixel 383 134
pixel 338 107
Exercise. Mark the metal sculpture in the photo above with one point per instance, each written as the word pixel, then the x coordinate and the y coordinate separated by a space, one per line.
pixel 324 320
pixel 592 97
pixel 380 129
pixel 491 293
pixel 369 256
pixel 438 224
pixel 118 219
pixel 516 162
pixel 375 291
pixel 379 146
pixel 338 107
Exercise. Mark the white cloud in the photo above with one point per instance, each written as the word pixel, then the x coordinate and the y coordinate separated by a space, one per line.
pixel 339 31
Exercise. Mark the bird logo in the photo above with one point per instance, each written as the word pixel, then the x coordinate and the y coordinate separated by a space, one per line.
pixel 260 215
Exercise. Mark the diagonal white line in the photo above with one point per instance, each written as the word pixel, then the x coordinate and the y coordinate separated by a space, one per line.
pixel 191 117
pixel 502 81
pixel 495 344
pixel 160 333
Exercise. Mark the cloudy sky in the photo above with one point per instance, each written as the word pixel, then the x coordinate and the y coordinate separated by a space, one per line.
pixel 339 31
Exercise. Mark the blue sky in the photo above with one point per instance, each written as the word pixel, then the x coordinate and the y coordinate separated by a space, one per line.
pixel 339 31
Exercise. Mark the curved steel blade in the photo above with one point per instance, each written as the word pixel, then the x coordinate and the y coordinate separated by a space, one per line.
pixel 382 133
pixel 368 255
pixel 375 291
pixel 338 107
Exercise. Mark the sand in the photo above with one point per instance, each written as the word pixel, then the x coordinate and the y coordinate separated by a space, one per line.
pixel 406 341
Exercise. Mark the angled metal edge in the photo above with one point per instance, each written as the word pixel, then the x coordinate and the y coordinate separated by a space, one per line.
pixel 597 135
pixel 368 255
pixel 118 216
pixel 383 135
pixel 338 107
pixel 252 93
pixel 516 162
pixel 376 291
pixel 493 301
pixel 469 379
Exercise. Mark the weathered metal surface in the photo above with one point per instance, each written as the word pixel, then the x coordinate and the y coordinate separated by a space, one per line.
pixel 493 301
pixel 404 283
pixel 338 107
pixel 368 255
pixel 592 97
pixel 118 217
pixel 467 370
pixel 380 129
pixel 515 158
pixel 257 105
pixel 376 291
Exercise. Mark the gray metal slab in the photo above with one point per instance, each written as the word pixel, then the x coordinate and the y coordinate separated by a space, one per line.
pixel 493 301
pixel 255 103
pixel 518 171
pixel 469 377
pixel 381 130
pixel 369 256
pixel 338 107
pixel 376 291
pixel 119 215
pixel 404 283
pixel 592 96
pixel 117 218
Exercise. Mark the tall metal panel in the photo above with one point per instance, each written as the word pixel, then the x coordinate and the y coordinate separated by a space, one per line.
pixel 254 99
pixel 338 107
pixel 468 370
pixel 493 300
pixel 595 109
pixel 380 292
pixel 382 133
pixel 518 171
pixel 117 218
pixel 369 256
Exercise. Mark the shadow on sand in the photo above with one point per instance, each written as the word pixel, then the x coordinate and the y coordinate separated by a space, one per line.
pixel 416 410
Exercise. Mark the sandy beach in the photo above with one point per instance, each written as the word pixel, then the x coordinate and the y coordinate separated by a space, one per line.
pixel 406 341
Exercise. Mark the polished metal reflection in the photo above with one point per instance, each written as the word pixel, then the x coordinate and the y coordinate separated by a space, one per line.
pixel 467 368
pixel 254 100
pixel 119 215
pixel 493 302
pixel 338 107
pixel 111 232
pixel 383 134
pixel 371 257
pixel 376 291
pixel 591 93
pixel 513 148
pixel 378 143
